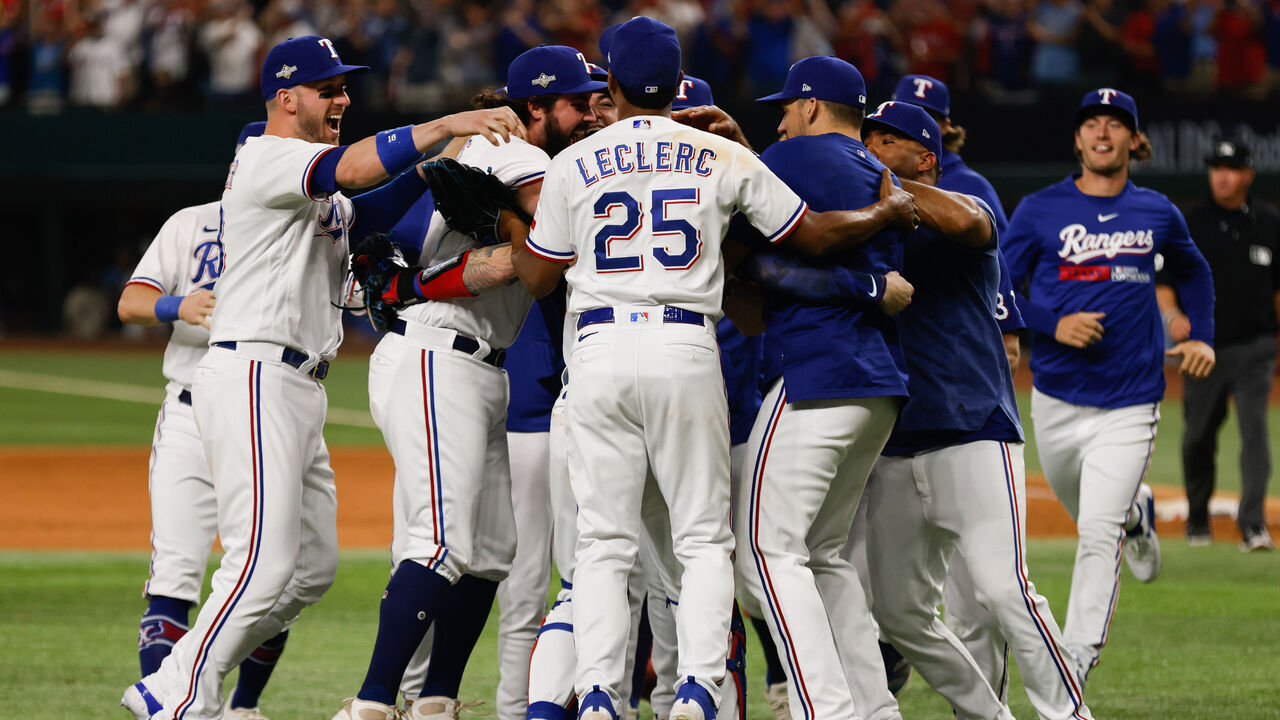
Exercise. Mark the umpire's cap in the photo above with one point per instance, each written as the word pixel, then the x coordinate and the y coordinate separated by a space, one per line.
pixel 301 60
pixel 906 119
pixel 926 91
pixel 1108 101
pixel 825 78
pixel 550 70
pixel 1229 153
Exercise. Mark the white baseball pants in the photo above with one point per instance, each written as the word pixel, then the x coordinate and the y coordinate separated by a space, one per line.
pixel 261 423
pixel 649 396
pixel 809 465
pixel 184 507
pixel 1094 459
pixel 970 500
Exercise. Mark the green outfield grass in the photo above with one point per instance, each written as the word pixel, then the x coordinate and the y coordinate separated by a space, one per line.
pixel 1200 643
pixel 38 417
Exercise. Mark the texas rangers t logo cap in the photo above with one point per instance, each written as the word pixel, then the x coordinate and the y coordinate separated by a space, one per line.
pixel 825 78
pixel 644 56
pixel 903 118
pixel 1108 101
pixel 301 60
pixel 928 92
pixel 693 92
pixel 550 70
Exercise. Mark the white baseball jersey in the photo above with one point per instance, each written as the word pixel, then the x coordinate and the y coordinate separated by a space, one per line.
pixel 494 316
pixel 184 257
pixel 285 248
pixel 647 196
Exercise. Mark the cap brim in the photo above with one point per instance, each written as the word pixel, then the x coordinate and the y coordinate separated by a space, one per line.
pixel 776 98
pixel 588 86
pixel 1087 112
pixel 333 72
pixel 1227 162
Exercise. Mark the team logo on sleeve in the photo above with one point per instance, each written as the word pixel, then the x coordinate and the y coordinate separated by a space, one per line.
pixel 1079 245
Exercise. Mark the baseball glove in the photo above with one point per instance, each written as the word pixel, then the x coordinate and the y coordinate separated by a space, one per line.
pixel 377 264
pixel 470 199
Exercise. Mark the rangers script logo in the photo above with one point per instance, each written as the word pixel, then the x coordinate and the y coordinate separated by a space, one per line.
pixel 1079 245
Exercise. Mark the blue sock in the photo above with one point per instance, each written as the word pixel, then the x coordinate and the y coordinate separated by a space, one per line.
pixel 408 608
pixel 164 621
pixel 256 669
pixel 458 626
pixel 774 673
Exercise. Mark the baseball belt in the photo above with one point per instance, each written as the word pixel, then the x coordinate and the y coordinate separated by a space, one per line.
pixel 463 344
pixel 290 357
pixel 604 315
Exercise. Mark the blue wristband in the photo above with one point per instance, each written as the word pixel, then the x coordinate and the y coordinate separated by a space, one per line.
pixel 396 150
pixel 167 308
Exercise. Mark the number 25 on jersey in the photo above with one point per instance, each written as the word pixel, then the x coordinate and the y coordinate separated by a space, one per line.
pixel 618 203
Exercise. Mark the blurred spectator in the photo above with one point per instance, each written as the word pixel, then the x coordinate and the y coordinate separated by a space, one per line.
pixel 9 38
pixel 232 42
pixel 1204 48
pixel 1138 36
pixel 574 23
pixel 415 84
pixel 284 19
pixel 717 54
pixel 865 37
pixel 1271 23
pixel 684 16
pixel 48 78
pixel 519 30
pixel 1007 48
pixel 930 38
pixel 1173 42
pixel 1241 55
pixel 100 70
pixel 172 28
pixel 383 31
pixel 769 49
pixel 122 23
pixel 1054 26
pixel 1101 48
pixel 465 63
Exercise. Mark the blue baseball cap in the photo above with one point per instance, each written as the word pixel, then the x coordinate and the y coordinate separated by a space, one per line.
pixel 597 73
pixel 644 56
pixel 928 92
pixel 825 78
pixel 907 119
pixel 692 93
pixel 253 129
pixel 1111 101
pixel 301 60
pixel 606 41
pixel 549 70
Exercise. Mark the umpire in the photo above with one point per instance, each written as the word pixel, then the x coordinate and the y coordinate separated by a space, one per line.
pixel 1240 238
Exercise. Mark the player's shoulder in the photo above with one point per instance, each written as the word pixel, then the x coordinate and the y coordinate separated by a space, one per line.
pixel 477 148
pixel 802 155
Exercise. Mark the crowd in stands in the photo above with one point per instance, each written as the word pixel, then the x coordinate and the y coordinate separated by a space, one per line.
pixel 431 55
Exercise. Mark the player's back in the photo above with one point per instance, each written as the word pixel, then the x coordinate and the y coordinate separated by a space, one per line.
pixel 647 204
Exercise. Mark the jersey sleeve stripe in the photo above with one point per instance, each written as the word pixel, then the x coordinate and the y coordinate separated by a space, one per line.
pixel 546 254
pixel 146 281
pixel 791 224
pixel 311 166
pixel 528 179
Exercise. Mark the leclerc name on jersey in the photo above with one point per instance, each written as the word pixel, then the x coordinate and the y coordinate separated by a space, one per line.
pixel 642 157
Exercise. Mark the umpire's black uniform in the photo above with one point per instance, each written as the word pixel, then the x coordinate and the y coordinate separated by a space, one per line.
pixel 1243 249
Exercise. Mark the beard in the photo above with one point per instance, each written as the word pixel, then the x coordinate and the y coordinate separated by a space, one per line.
pixel 314 129
pixel 560 137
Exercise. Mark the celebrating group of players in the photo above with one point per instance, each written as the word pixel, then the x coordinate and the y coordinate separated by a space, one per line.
pixel 659 451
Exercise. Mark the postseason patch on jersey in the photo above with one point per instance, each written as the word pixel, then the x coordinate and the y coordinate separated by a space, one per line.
pixel 1104 273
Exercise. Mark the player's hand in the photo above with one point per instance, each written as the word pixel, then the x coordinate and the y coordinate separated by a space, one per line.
pixel 1197 358
pixel 900 204
pixel 1180 329
pixel 897 293
pixel 492 124
pixel 197 308
pixel 1079 330
pixel 1012 351
pixel 713 120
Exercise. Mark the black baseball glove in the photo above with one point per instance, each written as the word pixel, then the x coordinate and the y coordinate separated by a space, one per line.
pixel 378 266
pixel 470 199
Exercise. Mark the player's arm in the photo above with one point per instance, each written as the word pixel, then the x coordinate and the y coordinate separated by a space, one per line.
pixel 955 216
pixel 1194 280
pixel 1176 323
pixel 713 120
pixel 824 233
pixel 542 252
pixel 142 304
pixel 390 152
pixel 835 285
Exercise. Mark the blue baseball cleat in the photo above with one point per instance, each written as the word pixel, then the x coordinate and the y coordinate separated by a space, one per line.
pixel 693 702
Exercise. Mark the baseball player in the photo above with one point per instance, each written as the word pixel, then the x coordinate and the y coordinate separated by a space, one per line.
pixel 439 395
pixel 642 205
pixel 257 398
pixel 977 628
pixel 1087 246
pixel 175 281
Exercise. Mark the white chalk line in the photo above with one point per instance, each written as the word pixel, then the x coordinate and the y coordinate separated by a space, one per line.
pixel 81 387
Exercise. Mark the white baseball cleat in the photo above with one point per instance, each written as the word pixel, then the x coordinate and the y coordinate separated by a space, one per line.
pixel 1141 545
pixel 357 709
pixel 776 694
pixel 1257 540
pixel 439 707
pixel 241 713
pixel 139 701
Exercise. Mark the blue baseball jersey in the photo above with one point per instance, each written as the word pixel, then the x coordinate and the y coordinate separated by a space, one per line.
pixel 833 351
pixel 1083 253
pixel 740 359
pixel 960 383
pixel 1007 312
pixel 534 365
